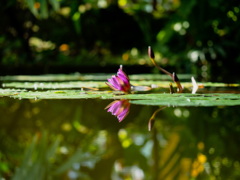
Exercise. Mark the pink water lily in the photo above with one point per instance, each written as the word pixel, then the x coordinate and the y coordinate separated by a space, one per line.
pixel 119 108
pixel 120 82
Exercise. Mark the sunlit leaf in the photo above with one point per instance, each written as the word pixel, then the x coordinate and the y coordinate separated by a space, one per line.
pixel 184 99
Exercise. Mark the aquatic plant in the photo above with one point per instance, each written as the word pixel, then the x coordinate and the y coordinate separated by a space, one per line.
pixel 172 75
pixel 120 82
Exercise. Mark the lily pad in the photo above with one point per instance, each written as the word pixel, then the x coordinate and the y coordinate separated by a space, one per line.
pixel 55 85
pixel 51 94
pixel 87 77
pixel 192 100
pixel 157 85
pixel 141 99
pixel 79 86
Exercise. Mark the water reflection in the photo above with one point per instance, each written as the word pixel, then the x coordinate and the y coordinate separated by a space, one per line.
pixel 119 108
pixel 152 118
pixel 77 139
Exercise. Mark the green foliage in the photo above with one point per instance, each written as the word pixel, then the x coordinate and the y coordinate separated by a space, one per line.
pixel 197 37
pixel 40 8
pixel 39 156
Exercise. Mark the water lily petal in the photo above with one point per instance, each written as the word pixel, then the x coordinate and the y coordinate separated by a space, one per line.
pixel 111 86
pixel 114 82
pixel 120 81
pixel 195 86
pixel 123 76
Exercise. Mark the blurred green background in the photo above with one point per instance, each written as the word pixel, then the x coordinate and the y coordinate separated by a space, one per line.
pixel 60 36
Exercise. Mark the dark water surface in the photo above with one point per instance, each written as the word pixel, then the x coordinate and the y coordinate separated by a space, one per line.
pixel 79 139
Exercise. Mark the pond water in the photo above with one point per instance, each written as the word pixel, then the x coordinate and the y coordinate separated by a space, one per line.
pixel 81 139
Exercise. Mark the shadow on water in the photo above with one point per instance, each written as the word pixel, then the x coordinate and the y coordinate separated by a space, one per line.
pixel 79 139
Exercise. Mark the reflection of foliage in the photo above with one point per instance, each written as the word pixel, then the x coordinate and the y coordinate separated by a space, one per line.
pixel 91 145
pixel 38 158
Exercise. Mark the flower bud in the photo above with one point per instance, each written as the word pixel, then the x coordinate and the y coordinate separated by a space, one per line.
pixel 150 52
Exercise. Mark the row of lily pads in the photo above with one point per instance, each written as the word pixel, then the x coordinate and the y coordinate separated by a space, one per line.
pixel 98 84
pixel 165 99
pixel 86 77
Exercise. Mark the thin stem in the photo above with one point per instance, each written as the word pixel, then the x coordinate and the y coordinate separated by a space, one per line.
pixel 173 76
pixel 161 69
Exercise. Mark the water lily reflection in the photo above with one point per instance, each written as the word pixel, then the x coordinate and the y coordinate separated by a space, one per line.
pixel 119 108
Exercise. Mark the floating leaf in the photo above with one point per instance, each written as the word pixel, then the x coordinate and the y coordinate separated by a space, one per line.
pixel 88 77
pixel 185 99
pixel 192 100
pixel 78 86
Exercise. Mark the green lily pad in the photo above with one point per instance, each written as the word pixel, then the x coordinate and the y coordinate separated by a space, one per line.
pixel 164 99
pixel 192 100
pixel 51 94
pixel 55 85
pixel 79 86
pixel 95 85
pixel 88 77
